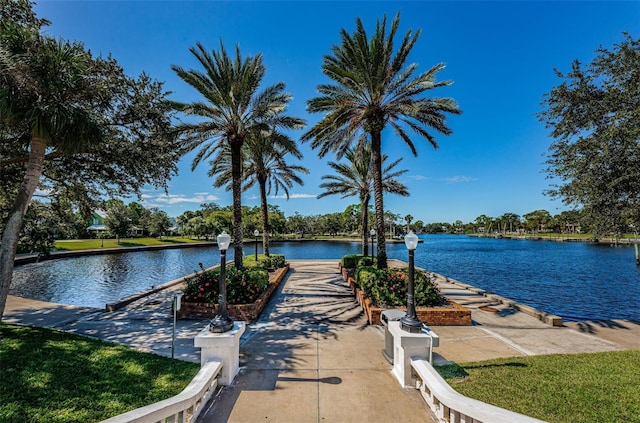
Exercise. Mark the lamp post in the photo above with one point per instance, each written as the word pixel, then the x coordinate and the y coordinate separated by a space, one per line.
pixel 256 233
pixel 410 321
pixel 222 322
pixel 372 232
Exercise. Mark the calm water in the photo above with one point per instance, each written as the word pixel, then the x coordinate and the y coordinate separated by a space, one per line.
pixel 577 281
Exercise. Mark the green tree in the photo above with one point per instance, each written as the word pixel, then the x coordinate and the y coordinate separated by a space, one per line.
pixel 233 108
pixel 508 221
pixel 408 219
pixel 298 224
pixel 40 229
pixel 372 89
pixel 71 123
pixel 139 216
pixel 594 115
pixel 158 222
pixel 118 219
pixel 537 220
pixel 356 178
pixel 265 164
pixel 485 222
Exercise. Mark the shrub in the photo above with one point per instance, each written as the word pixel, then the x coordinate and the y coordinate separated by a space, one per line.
pixel 243 286
pixel 274 261
pixel 277 261
pixel 388 287
pixel 351 261
pixel 263 261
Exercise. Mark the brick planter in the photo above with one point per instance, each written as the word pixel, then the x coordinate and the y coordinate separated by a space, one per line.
pixel 244 312
pixel 452 314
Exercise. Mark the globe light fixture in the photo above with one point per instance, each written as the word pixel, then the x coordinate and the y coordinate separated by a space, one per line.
pixel 372 232
pixel 410 321
pixel 256 233
pixel 222 322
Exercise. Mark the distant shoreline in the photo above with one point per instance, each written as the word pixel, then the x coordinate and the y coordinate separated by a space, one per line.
pixel 560 238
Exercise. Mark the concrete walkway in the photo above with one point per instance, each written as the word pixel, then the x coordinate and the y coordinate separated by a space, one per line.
pixel 313 357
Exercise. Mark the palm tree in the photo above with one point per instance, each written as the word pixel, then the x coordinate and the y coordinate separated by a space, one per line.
pixel 373 88
pixel 355 178
pixel 264 163
pixel 233 109
pixel 408 218
pixel 43 86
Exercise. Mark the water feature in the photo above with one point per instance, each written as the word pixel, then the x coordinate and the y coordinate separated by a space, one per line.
pixel 577 281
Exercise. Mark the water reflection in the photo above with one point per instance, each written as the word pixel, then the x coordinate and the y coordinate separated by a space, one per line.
pixel 574 280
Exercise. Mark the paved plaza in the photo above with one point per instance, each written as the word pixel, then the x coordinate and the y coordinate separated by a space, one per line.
pixel 312 356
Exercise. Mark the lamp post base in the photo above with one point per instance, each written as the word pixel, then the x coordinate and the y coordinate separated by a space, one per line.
pixel 221 324
pixel 411 324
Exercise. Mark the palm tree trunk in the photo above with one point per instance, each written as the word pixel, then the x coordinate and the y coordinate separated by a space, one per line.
pixel 13 226
pixel 236 175
pixel 376 163
pixel 364 204
pixel 265 216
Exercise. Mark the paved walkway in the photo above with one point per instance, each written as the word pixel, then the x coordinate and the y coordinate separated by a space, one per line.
pixel 313 357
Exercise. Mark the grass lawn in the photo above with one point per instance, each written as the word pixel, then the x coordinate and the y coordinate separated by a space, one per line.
pixel 567 388
pixel 52 376
pixel 84 244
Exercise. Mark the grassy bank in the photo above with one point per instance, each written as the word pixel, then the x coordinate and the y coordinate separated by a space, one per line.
pixel 86 244
pixel 50 376
pixel 599 387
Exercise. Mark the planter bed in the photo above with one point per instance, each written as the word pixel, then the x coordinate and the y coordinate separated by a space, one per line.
pixel 239 312
pixel 452 314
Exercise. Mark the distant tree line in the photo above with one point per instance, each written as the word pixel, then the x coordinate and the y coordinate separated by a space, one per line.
pixel 47 222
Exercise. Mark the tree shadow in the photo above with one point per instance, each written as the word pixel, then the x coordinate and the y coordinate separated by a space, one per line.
pixel 592 326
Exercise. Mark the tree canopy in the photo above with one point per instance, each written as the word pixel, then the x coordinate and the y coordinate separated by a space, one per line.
pixel 594 115
pixel 372 86
pixel 74 125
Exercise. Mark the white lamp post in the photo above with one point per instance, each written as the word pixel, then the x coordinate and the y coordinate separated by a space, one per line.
pixel 222 322
pixel 410 321
pixel 256 233
pixel 372 232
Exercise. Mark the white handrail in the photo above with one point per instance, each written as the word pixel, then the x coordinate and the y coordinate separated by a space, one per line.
pixel 450 406
pixel 184 407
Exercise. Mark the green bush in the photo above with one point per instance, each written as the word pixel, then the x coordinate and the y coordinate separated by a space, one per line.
pixel 351 261
pixel 263 262
pixel 388 287
pixel 243 286
pixel 275 261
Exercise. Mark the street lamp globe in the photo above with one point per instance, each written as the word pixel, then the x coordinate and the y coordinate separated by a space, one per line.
pixel 224 239
pixel 410 321
pixel 222 322
pixel 411 241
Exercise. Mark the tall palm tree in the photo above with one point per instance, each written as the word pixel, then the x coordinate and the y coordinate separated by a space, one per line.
pixel 372 88
pixel 43 88
pixel 356 178
pixel 232 109
pixel 264 163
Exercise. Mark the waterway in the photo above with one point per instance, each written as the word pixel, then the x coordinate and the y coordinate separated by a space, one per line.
pixel 575 280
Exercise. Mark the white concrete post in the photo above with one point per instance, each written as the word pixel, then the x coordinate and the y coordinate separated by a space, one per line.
pixel 407 346
pixel 223 347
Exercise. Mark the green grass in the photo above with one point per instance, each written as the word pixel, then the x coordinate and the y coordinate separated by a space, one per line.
pixel 84 244
pixel 51 376
pixel 598 387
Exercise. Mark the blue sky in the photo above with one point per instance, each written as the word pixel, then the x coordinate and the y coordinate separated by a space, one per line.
pixel 500 55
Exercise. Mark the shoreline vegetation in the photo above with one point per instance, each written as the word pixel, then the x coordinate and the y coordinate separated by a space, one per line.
pixel 72 247
pixel 81 244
